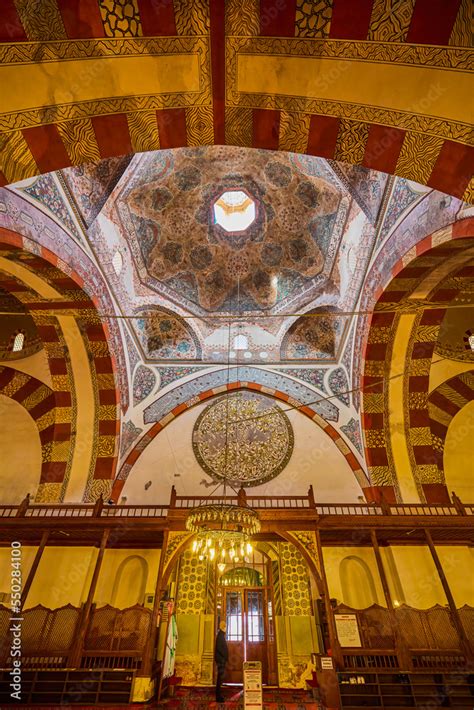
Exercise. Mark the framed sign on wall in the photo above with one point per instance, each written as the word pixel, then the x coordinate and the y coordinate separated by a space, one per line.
pixel 347 630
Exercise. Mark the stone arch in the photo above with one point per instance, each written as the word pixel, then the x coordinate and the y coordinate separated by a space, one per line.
pixel 39 400
pixel 143 570
pixel 217 104
pixel 407 273
pixel 305 543
pixel 175 544
pixel 297 392
pixel 431 221
pixel 179 542
pixel 444 403
pixel 360 567
pixel 46 269
pixel 37 233
pixel 169 415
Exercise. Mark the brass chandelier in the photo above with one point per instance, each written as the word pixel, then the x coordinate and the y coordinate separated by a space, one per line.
pixel 223 530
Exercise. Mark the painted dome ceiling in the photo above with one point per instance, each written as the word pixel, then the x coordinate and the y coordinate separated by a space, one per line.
pixel 223 254
pixel 195 235
pixel 167 209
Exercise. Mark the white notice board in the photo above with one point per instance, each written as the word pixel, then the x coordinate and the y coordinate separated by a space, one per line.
pixel 253 685
pixel 347 630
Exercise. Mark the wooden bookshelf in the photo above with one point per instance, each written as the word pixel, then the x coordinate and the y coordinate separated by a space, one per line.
pixel 80 687
pixel 392 691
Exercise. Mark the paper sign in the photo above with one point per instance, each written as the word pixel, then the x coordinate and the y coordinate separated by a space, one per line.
pixel 252 685
pixel 348 630
pixel 326 663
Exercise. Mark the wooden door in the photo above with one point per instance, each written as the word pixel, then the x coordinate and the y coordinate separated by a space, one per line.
pixel 256 628
pixel 246 618
pixel 234 618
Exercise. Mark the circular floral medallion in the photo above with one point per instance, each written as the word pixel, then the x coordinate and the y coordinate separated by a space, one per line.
pixel 243 437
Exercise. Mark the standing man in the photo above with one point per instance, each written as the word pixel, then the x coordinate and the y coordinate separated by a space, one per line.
pixel 221 656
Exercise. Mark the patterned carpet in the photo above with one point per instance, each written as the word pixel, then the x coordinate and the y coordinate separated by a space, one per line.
pixel 273 699
pixel 204 698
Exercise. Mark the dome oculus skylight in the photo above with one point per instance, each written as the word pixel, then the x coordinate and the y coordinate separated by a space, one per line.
pixel 234 211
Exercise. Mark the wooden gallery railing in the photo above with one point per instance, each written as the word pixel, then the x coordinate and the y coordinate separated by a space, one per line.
pixel 429 636
pixel 107 637
pixel 261 503
pixel 115 638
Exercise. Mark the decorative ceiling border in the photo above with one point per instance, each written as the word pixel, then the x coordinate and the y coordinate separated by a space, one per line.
pixel 441 128
pixel 25 53
pixel 452 58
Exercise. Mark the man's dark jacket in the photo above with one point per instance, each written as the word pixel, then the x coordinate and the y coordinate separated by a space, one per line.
pixel 221 653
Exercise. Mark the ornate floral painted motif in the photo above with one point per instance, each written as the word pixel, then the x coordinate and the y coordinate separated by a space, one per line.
pixel 244 437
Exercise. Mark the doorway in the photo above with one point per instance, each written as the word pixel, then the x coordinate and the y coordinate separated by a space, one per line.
pixel 245 602
pixel 247 635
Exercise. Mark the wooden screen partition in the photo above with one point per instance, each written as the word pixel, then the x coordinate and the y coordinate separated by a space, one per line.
pixel 47 635
pixel 429 635
pixel 427 629
pixel 375 626
pixel 466 614
pixel 5 615
pixel 116 637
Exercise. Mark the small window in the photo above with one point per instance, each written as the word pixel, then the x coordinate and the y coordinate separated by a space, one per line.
pixel 117 262
pixel 469 340
pixel 18 343
pixel 241 342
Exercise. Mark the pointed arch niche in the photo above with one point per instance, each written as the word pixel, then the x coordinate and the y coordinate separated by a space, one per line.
pixel 357 583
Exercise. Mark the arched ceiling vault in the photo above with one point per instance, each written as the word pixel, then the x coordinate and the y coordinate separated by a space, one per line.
pixel 443 404
pixel 400 350
pixel 354 82
pixel 79 438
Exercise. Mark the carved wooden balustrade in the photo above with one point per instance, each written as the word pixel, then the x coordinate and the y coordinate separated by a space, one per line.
pixel 178 506
pixel 146 525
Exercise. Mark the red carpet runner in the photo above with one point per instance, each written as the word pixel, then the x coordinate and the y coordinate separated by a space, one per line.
pixel 273 699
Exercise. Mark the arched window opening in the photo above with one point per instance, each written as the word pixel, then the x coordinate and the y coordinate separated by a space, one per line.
pixel 18 342
pixel 117 262
pixel 241 342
